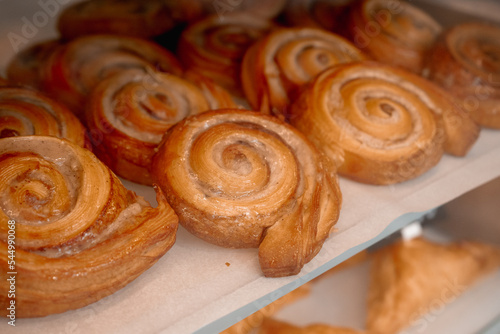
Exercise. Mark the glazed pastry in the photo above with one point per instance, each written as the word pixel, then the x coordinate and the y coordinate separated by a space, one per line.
pixel 382 124
pixel 79 234
pixel 215 47
pixel 409 276
pixel 277 66
pixel 143 19
pixel 243 179
pixel 273 326
pixel 25 112
pixel 466 62
pixel 3 82
pixel 76 68
pixel 128 114
pixel 255 320
pixel 25 67
pixel 393 32
pixel 256 8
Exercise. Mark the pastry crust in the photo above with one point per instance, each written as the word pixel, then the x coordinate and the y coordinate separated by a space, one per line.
pixel 381 124
pixel 273 326
pixel 80 235
pixel 465 62
pixel 238 178
pixel 278 65
pixel 408 278
pixel 393 32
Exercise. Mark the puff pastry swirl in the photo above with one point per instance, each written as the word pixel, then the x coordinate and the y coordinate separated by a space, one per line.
pixel 243 179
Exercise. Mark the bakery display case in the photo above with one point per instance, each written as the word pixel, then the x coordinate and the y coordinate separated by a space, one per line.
pixel 197 287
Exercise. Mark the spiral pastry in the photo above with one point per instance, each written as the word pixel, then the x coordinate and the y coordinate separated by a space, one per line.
pixel 215 47
pixel 76 68
pixel 3 82
pixel 239 179
pixel 143 19
pixel 466 62
pixel 25 68
pixel 79 234
pixel 25 112
pixel 256 8
pixel 276 67
pixel 391 124
pixel 393 32
pixel 129 113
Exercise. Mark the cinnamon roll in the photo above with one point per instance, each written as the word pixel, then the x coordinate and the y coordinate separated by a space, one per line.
pixel 25 112
pixel 466 62
pixel 77 67
pixel 256 8
pixel 408 277
pixel 240 179
pixel 393 32
pixel 143 19
pixel 277 66
pixel 382 124
pixel 215 47
pixel 128 114
pixel 79 234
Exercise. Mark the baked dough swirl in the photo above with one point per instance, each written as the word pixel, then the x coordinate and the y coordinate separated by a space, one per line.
pixel 128 114
pixel 77 67
pixel 79 234
pixel 215 47
pixel 25 112
pixel 278 65
pixel 240 179
pixel 393 32
pixel 466 62
pixel 382 124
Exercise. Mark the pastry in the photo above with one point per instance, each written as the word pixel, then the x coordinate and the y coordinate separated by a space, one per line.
pixel 256 8
pixel 143 19
pixel 243 179
pixel 278 65
pixel 215 47
pixel 382 124
pixel 128 114
pixel 80 235
pixel 393 32
pixel 77 67
pixel 466 62
pixel 273 326
pixel 25 112
pixel 410 277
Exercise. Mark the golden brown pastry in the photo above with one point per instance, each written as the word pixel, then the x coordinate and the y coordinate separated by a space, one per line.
pixel 25 112
pixel 243 179
pixel 128 114
pixel 393 32
pixel 77 67
pixel 255 320
pixel 273 326
pixel 215 47
pixel 466 62
pixel 382 124
pixel 278 65
pixel 408 276
pixel 79 234
pixel 135 18
pixel 257 8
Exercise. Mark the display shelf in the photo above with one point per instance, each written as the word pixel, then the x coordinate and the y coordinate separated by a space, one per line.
pixel 198 287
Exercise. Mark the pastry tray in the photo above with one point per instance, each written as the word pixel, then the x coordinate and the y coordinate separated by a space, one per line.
pixel 199 287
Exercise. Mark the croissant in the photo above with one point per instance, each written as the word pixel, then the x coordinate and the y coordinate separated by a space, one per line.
pixel 466 62
pixel 143 19
pixel 278 65
pixel 77 67
pixel 128 114
pixel 215 47
pixel 26 112
pixel 382 124
pixel 273 326
pixel 393 32
pixel 410 277
pixel 240 179
pixel 79 234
